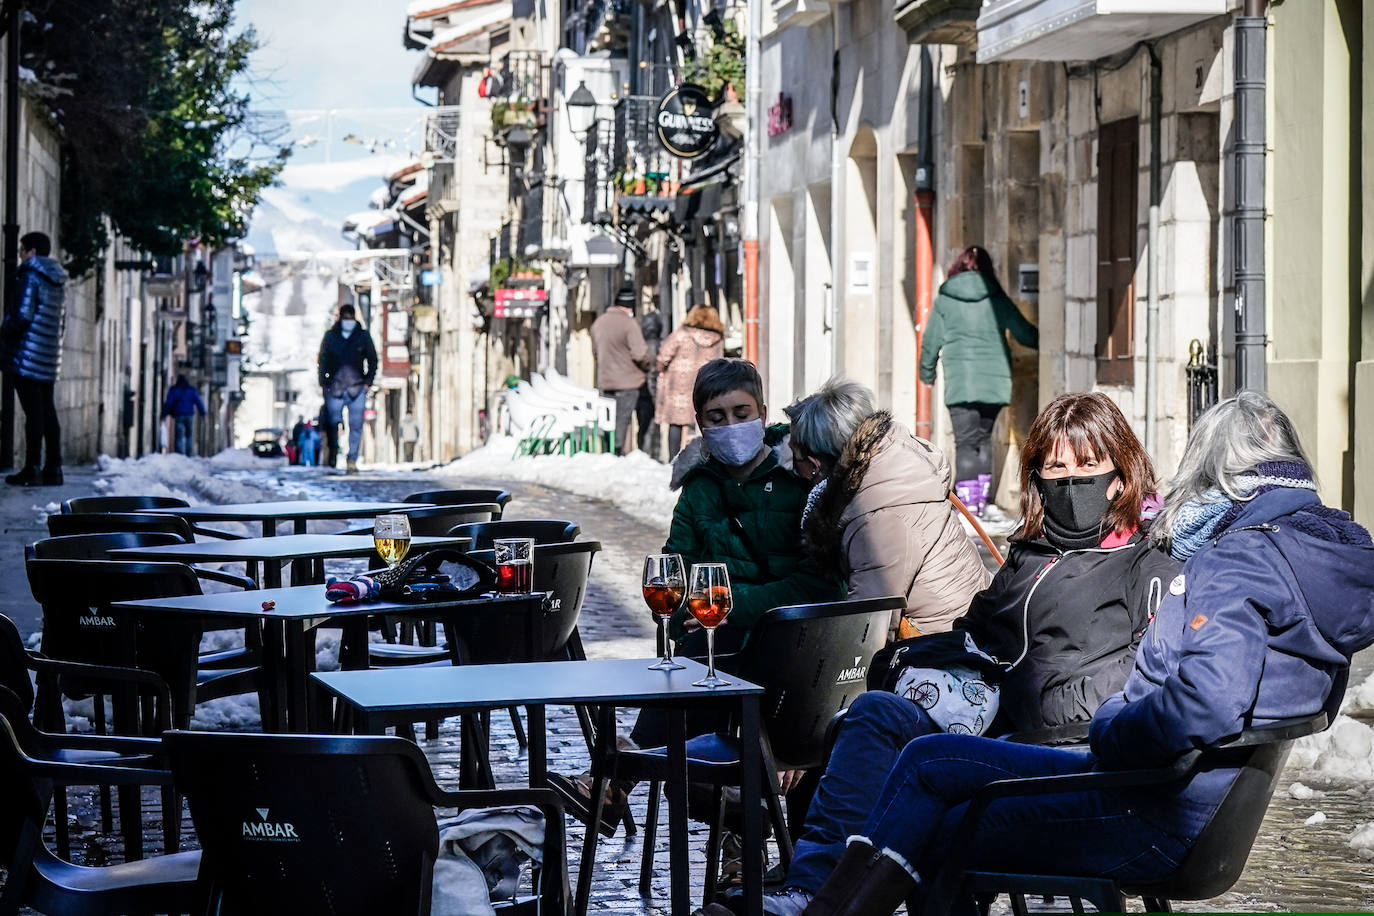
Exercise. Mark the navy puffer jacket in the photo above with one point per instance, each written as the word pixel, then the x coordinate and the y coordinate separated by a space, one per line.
pixel 1254 630
pixel 31 337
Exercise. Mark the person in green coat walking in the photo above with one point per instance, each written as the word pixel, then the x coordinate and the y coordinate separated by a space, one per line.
pixel 968 329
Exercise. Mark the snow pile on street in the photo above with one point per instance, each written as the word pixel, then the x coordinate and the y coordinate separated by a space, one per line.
pixel 1344 752
pixel 634 483
pixel 1362 841
pixel 196 480
pixel 1359 701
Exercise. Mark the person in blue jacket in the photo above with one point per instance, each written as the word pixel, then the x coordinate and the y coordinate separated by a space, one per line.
pixel 31 353
pixel 1276 594
pixel 182 404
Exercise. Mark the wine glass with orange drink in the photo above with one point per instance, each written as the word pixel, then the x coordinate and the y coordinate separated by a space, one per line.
pixel 664 585
pixel 708 600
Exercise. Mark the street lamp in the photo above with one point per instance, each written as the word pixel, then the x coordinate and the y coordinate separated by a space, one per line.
pixel 581 110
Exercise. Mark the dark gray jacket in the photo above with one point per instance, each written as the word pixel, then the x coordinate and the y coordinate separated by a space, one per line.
pixel 31 336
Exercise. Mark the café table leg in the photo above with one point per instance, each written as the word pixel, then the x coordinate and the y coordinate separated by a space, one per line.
pixel 681 903
pixel 538 746
pixel 751 779
pixel 274 671
pixel 605 732
pixel 271 573
pixel 296 676
pixel 300 526
pixel 269 527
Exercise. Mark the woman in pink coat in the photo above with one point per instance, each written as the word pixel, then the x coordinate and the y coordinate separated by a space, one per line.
pixel 700 339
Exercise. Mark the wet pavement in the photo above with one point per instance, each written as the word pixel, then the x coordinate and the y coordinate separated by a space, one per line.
pixel 1293 867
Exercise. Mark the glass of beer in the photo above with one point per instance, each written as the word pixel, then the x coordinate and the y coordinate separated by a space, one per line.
pixel 708 599
pixel 664 586
pixel 391 537
pixel 514 565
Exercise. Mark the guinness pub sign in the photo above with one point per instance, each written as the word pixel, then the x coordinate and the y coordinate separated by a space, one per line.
pixel 686 121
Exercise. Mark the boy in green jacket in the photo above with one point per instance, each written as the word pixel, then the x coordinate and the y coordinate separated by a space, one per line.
pixel 739 505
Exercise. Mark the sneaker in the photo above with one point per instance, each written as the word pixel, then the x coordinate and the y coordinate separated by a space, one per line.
pixel 352 467
pixel 787 901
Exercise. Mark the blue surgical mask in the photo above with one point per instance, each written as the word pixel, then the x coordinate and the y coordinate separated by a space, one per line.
pixel 347 325
pixel 734 445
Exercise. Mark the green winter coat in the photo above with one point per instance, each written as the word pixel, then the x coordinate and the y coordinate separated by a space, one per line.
pixel 968 327
pixel 768 504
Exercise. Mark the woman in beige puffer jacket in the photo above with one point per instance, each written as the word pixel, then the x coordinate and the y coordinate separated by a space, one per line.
pixel 882 518
pixel 700 339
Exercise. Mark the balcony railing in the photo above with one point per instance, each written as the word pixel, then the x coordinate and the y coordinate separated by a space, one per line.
pixel 441 132
pixel 598 192
pixel 639 156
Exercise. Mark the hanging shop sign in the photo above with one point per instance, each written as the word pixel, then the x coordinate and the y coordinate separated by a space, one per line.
pixel 520 303
pixel 780 115
pixel 686 121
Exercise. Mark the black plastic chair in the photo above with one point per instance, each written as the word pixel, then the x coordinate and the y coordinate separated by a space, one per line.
pixel 79 625
pixel 312 824
pixel 540 530
pixel 39 879
pixel 105 522
pixel 15 687
pixel 562 570
pixel 94 505
pixel 462 497
pixel 1210 867
pixel 812 661
pixel 438 521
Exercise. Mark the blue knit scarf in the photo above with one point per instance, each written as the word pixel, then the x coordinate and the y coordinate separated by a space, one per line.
pixel 1200 520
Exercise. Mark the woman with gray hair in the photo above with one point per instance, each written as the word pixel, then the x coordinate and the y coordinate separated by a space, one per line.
pixel 879 511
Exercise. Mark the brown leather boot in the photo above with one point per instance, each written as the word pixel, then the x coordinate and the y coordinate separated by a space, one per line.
pixel 865 882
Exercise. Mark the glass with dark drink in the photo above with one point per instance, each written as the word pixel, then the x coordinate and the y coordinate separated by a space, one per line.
pixel 514 565
pixel 708 600
pixel 664 586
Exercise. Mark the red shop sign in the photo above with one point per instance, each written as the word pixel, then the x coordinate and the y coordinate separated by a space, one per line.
pixel 520 303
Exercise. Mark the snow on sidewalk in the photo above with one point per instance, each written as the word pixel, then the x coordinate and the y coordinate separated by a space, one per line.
pixel 634 483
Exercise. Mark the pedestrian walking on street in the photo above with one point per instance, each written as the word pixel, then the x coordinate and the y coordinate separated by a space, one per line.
pixel 296 432
pixel 182 404
pixel 348 364
pixel 700 339
pixel 651 326
pixel 621 359
pixel 968 330
pixel 31 352
pixel 308 445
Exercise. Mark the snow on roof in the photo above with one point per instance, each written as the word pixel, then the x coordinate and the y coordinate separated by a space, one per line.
pixel 408 171
pixel 430 9
pixel 467 28
pixel 379 198
pixel 368 221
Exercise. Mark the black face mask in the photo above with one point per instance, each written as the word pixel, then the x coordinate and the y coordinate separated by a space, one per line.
pixel 1075 506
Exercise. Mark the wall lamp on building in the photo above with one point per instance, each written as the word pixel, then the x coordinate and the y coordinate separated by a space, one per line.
pixel 581 110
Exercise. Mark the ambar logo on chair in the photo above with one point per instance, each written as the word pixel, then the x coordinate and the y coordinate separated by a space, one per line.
pixel 269 831
pixel 96 620
pixel 855 672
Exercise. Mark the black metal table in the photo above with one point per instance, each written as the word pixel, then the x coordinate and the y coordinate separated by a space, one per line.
pixel 298 511
pixel 387 697
pixel 273 551
pixel 288 656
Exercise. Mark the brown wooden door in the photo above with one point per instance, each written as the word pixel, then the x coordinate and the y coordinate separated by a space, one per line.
pixel 1118 172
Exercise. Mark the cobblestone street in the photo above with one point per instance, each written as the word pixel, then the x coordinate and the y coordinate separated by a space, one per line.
pixel 1293 867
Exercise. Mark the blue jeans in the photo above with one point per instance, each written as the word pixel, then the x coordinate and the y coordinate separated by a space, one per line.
pixel 876 728
pixel 185 433
pixel 1097 833
pixel 335 406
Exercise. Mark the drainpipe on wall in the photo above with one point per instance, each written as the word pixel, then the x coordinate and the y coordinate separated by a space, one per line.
pixel 753 98
pixel 1248 222
pixel 925 228
pixel 1152 264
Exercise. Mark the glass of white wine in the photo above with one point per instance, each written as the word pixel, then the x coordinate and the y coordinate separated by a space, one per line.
pixel 391 536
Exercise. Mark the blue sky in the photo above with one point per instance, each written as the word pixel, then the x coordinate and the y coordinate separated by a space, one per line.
pixel 339 70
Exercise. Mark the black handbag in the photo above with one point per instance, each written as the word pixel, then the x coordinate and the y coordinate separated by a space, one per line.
pixel 937 650
pixel 436 575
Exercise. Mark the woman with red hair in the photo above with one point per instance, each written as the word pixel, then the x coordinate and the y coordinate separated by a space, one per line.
pixel 968 329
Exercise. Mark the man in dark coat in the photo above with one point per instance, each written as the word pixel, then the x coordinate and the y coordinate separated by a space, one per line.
pixel 621 357
pixel 182 404
pixel 31 352
pixel 348 364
